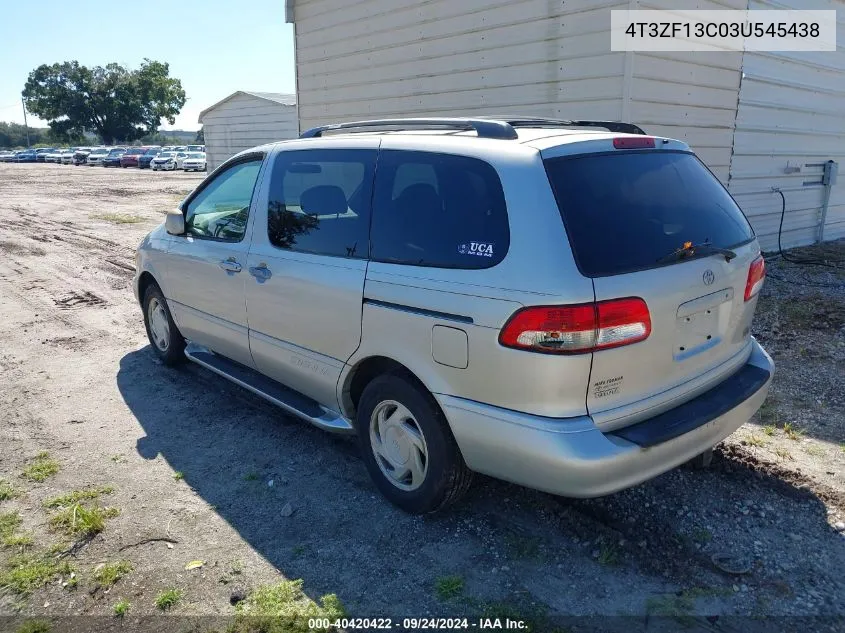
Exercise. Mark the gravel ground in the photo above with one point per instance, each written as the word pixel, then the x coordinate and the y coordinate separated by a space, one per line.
pixel 204 471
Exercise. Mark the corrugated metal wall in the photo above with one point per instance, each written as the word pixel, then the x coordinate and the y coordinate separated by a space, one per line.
pixel 791 114
pixel 245 121
pixel 374 58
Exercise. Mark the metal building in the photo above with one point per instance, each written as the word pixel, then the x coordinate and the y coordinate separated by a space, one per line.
pixel 246 119
pixel 759 120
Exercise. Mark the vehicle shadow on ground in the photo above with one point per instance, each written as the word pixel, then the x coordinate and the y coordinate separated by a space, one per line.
pixel 343 538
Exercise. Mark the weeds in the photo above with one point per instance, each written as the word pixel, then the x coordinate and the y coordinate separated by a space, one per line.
pixel 283 608
pixel 702 536
pixel 608 554
pixel 449 587
pixel 117 218
pixel 18 540
pixel 178 475
pixel 769 430
pixel 815 450
pixel 78 495
pixel 9 522
pixel 78 520
pixel 7 491
pixel 34 626
pixel 121 608
pixel 784 454
pixel 168 599
pixel 792 432
pixel 251 477
pixel 756 440
pixel 26 573
pixel 41 468
pixel 524 547
pixel 110 573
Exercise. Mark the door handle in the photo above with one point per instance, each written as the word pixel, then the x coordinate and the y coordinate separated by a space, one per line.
pixel 230 265
pixel 260 272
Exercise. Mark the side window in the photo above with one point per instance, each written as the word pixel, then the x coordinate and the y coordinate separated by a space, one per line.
pixel 221 209
pixel 320 201
pixel 438 210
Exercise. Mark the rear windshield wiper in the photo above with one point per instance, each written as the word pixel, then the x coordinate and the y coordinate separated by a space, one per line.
pixel 690 251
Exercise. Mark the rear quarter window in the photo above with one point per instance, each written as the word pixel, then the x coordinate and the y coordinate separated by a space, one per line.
pixel 624 211
pixel 438 210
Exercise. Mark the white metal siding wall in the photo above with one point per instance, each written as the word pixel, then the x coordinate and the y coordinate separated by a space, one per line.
pixel 688 96
pixel 791 113
pixel 375 58
pixel 243 122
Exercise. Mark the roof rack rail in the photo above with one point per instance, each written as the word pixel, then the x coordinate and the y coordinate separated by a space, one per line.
pixel 485 128
pixel 610 126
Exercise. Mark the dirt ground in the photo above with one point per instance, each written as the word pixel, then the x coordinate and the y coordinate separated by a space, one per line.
pixel 188 468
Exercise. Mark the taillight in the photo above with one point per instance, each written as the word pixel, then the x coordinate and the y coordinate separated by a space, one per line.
pixel 633 142
pixel 578 329
pixel 756 275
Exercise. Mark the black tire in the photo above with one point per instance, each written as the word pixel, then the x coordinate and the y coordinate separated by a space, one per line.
pixel 173 353
pixel 447 477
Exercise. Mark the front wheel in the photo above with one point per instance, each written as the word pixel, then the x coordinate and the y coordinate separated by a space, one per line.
pixel 407 446
pixel 165 338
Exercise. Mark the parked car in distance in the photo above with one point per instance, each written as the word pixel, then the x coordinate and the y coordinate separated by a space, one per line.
pixel 67 157
pixel 7 156
pixel 574 312
pixel 112 159
pixel 42 152
pixel 26 156
pixel 179 148
pixel 195 148
pixel 168 161
pixel 97 155
pixel 194 161
pixel 145 158
pixel 80 156
pixel 131 156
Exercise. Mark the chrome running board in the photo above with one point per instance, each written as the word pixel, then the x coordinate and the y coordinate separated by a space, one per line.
pixel 274 392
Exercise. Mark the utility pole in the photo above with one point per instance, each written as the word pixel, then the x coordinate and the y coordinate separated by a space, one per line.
pixel 26 127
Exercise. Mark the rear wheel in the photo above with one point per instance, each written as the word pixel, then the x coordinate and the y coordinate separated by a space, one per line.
pixel 407 446
pixel 166 340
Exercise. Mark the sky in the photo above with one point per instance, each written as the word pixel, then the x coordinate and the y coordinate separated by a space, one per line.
pixel 214 47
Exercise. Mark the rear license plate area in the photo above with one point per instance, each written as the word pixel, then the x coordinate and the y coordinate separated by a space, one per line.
pixel 700 323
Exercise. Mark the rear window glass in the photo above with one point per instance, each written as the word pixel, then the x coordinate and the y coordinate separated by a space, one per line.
pixel 438 210
pixel 626 210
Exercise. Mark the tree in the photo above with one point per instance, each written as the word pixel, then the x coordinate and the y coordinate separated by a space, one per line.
pixel 119 104
pixel 200 136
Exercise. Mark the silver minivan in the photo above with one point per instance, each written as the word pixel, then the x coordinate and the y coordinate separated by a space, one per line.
pixel 565 305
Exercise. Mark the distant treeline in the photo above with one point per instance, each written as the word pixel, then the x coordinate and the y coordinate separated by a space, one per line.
pixel 13 136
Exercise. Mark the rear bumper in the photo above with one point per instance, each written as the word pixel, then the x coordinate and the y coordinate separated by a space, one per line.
pixel 572 457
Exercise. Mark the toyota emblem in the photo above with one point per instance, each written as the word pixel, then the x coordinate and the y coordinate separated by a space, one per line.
pixel 709 277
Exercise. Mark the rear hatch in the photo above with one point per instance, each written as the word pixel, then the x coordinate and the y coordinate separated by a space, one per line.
pixel 649 223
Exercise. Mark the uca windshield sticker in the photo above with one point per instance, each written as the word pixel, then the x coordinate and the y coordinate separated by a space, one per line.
pixel 478 249
pixel 607 387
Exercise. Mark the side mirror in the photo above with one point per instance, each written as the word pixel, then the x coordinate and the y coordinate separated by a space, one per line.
pixel 174 223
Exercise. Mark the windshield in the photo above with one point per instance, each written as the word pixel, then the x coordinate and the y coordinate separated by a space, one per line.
pixel 624 211
pixel 117 152
pixel 152 152
pixel 166 155
pixel 196 155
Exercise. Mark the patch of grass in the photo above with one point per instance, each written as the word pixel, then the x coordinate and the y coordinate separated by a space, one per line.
pixel 7 491
pixel 81 521
pixel 702 535
pixel 680 606
pixel 26 573
pixel 755 440
pixel 815 450
pixel 18 540
pixel 842 447
pixel 298 550
pixel 110 573
pixel 251 477
pixel 78 495
pixel 178 475
pixel 449 587
pixel 168 599
pixel 608 554
pixel 523 547
pixel 283 608
pixel 784 454
pixel 41 468
pixel 769 430
pixel 792 432
pixel 117 218
pixel 9 522
pixel 34 626
pixel 120 608
pixel 116 458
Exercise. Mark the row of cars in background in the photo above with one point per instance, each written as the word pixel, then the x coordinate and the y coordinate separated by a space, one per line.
pixel 168 158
